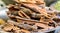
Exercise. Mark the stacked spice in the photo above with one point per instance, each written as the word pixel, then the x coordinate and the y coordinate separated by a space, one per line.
pixel 29 16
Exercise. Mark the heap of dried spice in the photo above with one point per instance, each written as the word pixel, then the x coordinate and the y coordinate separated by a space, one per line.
pixel 30 16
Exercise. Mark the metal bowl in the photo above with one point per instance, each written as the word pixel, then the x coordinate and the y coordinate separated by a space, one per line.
pixel 3 13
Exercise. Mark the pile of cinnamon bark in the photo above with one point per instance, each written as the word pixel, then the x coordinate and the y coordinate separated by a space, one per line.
pixel 30 16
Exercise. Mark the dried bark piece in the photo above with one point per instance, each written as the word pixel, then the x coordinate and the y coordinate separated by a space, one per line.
pixel 17 6
pixel 8 27
pixel 40 2
pixel 14 7
pixel 25 15
pixel 26 10
pixel 31 1
pixel 20 21
pixel 19 13
pixel 24 26
pixel 10 5
pixel 16 28
pixel 25 1
pixel 30 13
pixel 42 25
pixel 51 22
pixel 17 31
pixel 47 30
pixel 33 23
pixel 36 8
pixel 22 31
pixel 36 15
pixel 26 31
pixel 27 20
pixel 45 20
pixel 57 20
pixel 28 27
pixel 52 15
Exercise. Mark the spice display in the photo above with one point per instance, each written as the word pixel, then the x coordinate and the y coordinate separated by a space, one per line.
pixel 29 16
